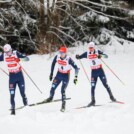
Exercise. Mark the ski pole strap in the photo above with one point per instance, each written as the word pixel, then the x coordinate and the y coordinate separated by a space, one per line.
pixel 113 73
pixel 84 71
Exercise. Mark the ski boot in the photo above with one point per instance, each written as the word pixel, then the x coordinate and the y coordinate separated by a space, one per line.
pixel 112 98
pixel 92 103
pixel 48 99
pixel 12 111
pixel 25 102
pixel 63 106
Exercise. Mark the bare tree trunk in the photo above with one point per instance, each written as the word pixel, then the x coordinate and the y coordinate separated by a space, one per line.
pixel 57 20
pixel 52 20
pixel 48 35
pixel 42 28
pixel 42 18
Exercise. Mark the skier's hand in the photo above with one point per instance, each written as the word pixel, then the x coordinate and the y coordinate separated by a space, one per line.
pixel 25 59
pixel 75 80
pixel 17 59
pixel 99 56
pixel 102 56
pixel 50 77
pixel 77 56
pixel 105 56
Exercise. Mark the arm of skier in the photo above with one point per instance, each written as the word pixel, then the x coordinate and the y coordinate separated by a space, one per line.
pixel 52 68
pixel 72 63
pixel 21 56
pixel 101 54
pixel 1 57
pixel 84 55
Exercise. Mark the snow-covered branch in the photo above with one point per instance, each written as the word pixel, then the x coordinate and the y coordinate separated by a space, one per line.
pixel 91 9
pixel 57 36
pixel 101 5
pixel 24 24
pixel 77 23
pixel 63 33
pixel 5 1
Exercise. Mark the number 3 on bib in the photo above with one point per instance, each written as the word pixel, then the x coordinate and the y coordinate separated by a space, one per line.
pixel 62 67
pixel 93 62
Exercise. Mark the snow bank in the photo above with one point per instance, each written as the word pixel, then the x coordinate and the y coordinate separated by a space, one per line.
pixel 109 118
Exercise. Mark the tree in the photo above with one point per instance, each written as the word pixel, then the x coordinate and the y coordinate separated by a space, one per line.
pixel 31 25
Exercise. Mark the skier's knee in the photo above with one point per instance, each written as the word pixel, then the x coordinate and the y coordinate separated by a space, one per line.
pixel 12 92
pixel 93 84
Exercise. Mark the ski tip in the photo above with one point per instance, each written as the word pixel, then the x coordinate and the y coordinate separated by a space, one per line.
pixel 120 102
pixel 81 107
pixel 88 106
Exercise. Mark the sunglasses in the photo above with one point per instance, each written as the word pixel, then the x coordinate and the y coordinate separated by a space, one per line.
pixel 8 52
pixel 91 48
pixel 61 53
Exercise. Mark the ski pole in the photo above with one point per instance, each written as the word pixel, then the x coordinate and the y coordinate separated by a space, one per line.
pixel 113 72
pixel 31 79
pixel 4 71
pixel 84 71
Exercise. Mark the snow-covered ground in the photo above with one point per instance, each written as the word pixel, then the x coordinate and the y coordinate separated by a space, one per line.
pixel 111 118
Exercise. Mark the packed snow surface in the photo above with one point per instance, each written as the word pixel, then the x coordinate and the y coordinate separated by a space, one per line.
pixel 110 118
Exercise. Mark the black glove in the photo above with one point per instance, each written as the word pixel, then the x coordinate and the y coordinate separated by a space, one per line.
pixel 99 56
pixel 77 56
pixel 51 77
pixel 75 80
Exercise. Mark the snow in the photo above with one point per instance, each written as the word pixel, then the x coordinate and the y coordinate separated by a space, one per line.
pixel 107 119
pixel 131 12
pixel 93 16
pixel 130 34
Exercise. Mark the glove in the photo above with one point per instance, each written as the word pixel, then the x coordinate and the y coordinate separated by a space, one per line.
pixel 25 59
pixel 77 56
pixel 105 56
pixel 99 56
pixel 17 60
pixel 50 77
pixel 75 80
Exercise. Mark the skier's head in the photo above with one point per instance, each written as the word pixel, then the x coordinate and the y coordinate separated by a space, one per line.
pixel 63 51
pixel 8 49
pixel 91 46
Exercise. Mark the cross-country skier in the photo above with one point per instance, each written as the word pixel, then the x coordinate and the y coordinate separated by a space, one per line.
pixel 15 74
pixel 64 67
pixel 94 56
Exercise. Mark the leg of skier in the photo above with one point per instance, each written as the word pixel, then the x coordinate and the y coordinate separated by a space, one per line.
pixel 93 85
pixel 104 81
pixel 55 84
pixel 12 87
pixel 63 92
pixel 21 84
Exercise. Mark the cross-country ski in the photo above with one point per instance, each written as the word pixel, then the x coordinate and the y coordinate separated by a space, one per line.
pixel 88 106
pixel 40 103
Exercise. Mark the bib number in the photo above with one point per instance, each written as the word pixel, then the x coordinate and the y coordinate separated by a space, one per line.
pixel 62 67
pixel 93 62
